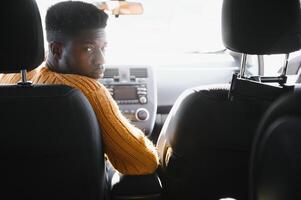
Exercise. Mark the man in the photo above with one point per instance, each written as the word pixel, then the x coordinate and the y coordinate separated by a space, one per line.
pixel 76 41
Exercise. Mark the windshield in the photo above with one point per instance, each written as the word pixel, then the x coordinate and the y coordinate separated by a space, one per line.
pixel 169 28
pixel 169 25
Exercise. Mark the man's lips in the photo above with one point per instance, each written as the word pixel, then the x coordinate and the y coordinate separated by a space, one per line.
pixel 98 72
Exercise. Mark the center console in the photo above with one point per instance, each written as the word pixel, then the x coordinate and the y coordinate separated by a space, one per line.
pixel 134 90
pixel 139 187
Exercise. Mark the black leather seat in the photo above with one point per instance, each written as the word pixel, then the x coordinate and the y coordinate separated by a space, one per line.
pixel 205 143
pixel 50 144
pixel 275 163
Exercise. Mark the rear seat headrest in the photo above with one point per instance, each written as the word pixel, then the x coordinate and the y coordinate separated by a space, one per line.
pixel 261 26
pixel 21 39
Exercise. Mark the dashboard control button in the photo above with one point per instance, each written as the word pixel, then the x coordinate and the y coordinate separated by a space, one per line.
pixel 141 89
pixel 142 92
pixel 141 80
pixel 143 99
pixel 142 114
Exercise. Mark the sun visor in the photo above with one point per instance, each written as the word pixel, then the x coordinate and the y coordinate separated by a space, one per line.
pixel 261 26
pixel 21 39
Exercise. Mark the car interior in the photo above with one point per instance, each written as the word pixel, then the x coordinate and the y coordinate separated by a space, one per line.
pixel 224 129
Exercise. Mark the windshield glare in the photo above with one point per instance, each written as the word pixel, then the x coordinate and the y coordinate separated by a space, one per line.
pixel 166 27
pixel 182 26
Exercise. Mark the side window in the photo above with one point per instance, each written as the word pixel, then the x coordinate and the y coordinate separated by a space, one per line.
pixel 265 65
pixel 273 64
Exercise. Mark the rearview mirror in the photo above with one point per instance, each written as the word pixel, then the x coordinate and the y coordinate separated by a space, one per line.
pixel 117 8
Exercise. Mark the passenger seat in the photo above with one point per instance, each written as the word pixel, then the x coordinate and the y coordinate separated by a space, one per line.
pixel 205 143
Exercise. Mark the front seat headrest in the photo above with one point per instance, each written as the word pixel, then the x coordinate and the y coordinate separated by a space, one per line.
pixel 22 44
pixel 261 26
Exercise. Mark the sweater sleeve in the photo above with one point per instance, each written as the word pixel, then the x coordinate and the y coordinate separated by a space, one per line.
pixel 126 146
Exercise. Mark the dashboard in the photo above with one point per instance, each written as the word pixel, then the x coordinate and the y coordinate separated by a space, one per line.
pixel 146 93
pixel 134 89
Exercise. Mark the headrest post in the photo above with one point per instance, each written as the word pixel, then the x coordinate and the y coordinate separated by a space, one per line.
pixel 23 74
pixel 260 65
pixel 284 69
pixel 243 65
pixel 24 78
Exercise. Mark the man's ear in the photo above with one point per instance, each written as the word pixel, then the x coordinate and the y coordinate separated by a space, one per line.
pixel 56 49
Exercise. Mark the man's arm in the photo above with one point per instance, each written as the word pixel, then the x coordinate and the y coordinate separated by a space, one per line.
pixel 129 151
pixel 126 146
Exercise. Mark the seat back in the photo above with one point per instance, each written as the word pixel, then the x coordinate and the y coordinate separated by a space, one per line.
pixel 275 163
pixel 205 143
pixel 50 144
pixel 50 147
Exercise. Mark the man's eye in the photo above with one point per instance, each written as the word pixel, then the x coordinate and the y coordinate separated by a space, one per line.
pixel 89 49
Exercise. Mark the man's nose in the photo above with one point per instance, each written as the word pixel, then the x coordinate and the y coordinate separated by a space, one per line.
pixel 102 67
pixel 100 57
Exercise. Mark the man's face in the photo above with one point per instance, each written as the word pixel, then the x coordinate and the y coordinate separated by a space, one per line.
pixel 84 54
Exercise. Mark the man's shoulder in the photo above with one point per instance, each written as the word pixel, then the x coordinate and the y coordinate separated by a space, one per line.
pixel 13 78
pixel 81 82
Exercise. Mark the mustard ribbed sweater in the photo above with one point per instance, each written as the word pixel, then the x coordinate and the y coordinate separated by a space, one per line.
pixel 129 151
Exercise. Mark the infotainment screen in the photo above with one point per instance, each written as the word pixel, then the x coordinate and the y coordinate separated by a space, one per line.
pixel 125 93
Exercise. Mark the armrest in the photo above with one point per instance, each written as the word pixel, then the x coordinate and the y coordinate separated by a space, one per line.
pixel 144 187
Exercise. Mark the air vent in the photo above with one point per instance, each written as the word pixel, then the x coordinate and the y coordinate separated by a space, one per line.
pixel 138 72
pixel 111 72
